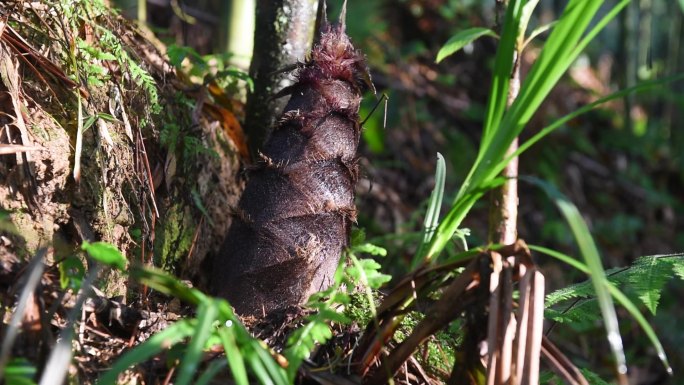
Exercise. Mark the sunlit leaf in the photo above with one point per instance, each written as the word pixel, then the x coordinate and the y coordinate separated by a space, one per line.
pixel 538 31
pixel 105 253
pixel 6 224
pixel 367 271
pixel 434 207
pixel 460 40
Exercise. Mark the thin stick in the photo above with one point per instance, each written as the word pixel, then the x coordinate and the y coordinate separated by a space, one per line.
pixel 375 107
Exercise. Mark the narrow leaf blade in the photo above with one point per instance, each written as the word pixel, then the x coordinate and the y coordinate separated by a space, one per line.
pixel 158 342
pixel 591 256
pixel 206 314
pixel 233 355
pixel 460 40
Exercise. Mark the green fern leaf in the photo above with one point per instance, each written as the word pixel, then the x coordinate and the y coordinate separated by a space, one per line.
pixel 578 290
pixel 645 279
pixel 648 277
pixel 581 316
pixel 593 378
pixel 678 266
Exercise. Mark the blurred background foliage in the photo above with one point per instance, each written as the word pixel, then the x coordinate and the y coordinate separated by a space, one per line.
pixel 622 164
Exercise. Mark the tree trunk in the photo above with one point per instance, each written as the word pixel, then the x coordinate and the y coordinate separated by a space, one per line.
pixel 282 37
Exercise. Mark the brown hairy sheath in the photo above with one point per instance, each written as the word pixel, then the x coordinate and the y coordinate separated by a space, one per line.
pixel 294 218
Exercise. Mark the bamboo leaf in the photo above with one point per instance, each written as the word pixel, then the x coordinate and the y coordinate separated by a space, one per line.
pixel 257 366
pixel 460 40
pixel 527 10
pixel 474 187
pixel 503 67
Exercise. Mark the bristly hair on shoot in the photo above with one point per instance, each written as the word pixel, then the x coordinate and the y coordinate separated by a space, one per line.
pixel 335 56
pixel 294 218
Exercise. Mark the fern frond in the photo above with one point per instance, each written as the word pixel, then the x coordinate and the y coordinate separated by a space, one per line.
pixel 648 276
pixel 581 315
pixel 644 279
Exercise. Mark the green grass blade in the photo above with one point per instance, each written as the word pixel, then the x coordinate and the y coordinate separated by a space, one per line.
pixel 245 349
pixel 555 58
pixel 591 256
pixel 211 371
pixel 641 87
pixel 257 366
pixel 498 94
pixel 460 40
pixel 561 257
pixel 275 372
pixel 643 322
pixel 58 363
pixel 233 355
pixel 105 253
pixel 206 315
pixel 609 16
pixel 503 67
pixel 154 345
pixel 620 297
pixel 434 207
pixel 455 216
